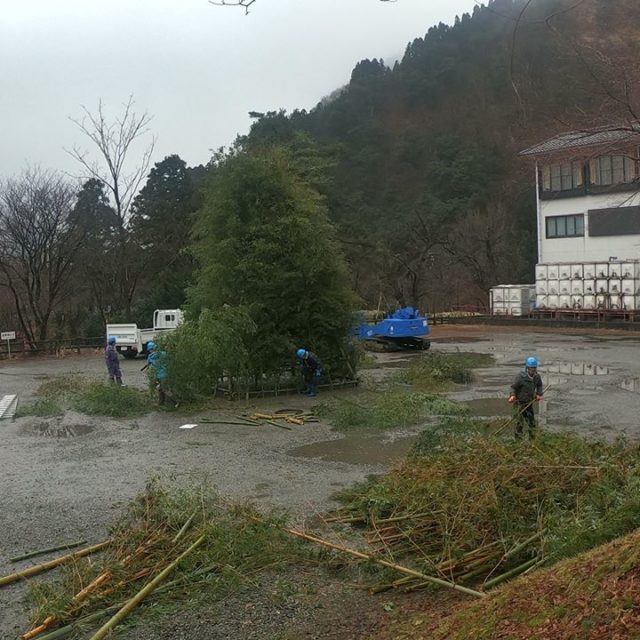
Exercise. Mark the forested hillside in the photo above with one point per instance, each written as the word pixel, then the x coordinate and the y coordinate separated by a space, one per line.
pixel 416 165
pixel 432 201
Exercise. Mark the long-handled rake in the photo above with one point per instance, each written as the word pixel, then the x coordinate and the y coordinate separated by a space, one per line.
pixel 517 415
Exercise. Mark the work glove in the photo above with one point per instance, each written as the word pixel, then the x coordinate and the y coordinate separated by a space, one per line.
pixel 511 399
pixel 538 397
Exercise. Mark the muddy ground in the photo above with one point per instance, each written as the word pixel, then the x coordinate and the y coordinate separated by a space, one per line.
pixel 67 478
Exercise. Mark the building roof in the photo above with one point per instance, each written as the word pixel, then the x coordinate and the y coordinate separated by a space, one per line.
pixel 576 139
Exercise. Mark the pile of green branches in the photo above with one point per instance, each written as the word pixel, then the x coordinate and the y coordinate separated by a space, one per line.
pixel 221 548
pixel 436 371
pixel 472 507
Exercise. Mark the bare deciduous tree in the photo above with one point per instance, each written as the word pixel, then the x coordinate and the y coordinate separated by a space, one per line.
pixel 37 246
pixel 122 177
pixel 114 141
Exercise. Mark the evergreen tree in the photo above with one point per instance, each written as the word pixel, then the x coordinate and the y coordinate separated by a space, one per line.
pixel 264 243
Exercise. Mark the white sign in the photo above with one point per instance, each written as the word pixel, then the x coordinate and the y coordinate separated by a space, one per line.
pixel 8 335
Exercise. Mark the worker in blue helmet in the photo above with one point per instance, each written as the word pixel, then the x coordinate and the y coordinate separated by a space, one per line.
pixel 525 391
pixel 158 361
pixel 311 369
pixel 112 361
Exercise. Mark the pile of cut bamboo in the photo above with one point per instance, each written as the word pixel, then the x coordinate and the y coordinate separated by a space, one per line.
pixel 281 419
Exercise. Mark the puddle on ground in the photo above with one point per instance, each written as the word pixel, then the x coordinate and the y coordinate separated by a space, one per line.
pixel 488 407
pixel 576 369
pixel 357 449
pixel 61 430
pixel 631 384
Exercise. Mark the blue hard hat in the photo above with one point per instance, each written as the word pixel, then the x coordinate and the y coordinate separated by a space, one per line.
pixel 111 340
pixel 301 353
pixel 531 362
pixel 151 345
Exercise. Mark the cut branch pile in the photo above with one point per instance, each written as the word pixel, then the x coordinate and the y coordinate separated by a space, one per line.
pixel 479 510
pixel 191 537
pixel 280 419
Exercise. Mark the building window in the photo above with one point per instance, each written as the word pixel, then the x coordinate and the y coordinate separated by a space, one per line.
pixel 562 177
pixel 610 170
pixel 565 226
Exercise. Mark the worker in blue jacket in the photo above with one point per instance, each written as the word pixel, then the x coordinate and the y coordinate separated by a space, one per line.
pixel 157 360
pixel 525 390
pixel 311 371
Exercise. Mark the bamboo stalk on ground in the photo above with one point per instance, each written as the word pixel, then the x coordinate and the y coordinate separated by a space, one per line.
pixel 384 563
pixel 510 574
pixel 41 552
pixel 51 564
pixel 141 595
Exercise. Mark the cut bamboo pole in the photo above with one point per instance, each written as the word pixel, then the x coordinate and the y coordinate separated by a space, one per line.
pixel 41 552
pixel 142 594
pixel 276 424
pixel 385 563
pixel 51 564
pixel 184 527
pixel 510 574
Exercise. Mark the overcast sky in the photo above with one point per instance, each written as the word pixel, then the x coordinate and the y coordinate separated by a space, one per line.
pixel 196 68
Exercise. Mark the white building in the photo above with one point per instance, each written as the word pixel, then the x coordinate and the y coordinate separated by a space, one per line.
pixel 588 216
pixel 588 196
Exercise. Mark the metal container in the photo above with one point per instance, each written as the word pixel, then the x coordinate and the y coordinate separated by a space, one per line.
pixel 497 294
pixel 602 301
pixel 630 287
pixel 577 302
pixel 542 301
pixel 577 271
pixel 589 270
pixel 565 287
pixel 630 269
pixel 553 287
pixel 615 301
pixel 588 302
pixel 541 287
pixel 630 302
pixel 553 302
pixel 589 286
pixel 602 270
pixel 552 272
pixel 565 302
pixel 541 272
pixel 602 286
pixel 577 287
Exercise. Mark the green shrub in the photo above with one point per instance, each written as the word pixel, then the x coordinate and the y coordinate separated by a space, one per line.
pixel 436 370
pixel 44 408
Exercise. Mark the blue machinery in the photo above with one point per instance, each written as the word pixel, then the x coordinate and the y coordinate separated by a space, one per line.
pixel 404 328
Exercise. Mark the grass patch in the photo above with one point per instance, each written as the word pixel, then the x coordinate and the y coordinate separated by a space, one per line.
pixel 89 397
pixel 437 371
pixel 43 408
pixel 239 545
pixel 97 399
pixel 387 410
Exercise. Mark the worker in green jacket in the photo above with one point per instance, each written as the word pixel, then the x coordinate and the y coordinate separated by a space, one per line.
pixel 525 390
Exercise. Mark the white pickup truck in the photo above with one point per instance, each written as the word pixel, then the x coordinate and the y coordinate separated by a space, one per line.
pixel 130 341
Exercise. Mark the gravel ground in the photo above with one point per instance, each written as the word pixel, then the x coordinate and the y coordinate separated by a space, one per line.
pixel 68 478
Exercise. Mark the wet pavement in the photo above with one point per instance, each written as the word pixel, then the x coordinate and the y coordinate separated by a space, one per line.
pixel 68 477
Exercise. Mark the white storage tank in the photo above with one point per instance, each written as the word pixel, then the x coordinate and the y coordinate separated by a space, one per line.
pixel 565 302
pixel 630 302
pixel 577 271
pixel 615 270
pixel 577 287
pixel 630 269
pixel 615 285
pixel 602 286
pixel 589 271
pixel 541 288
pixel 589 286
pixel 542 301
pixel 589 302
pixel 565 287
pixel 541 272
pixel 553 272
pixel 553 287
pixel 553 301
pixel 602 270
pixel 564 271
pixel 615 301
pixel 577 302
